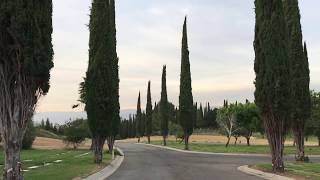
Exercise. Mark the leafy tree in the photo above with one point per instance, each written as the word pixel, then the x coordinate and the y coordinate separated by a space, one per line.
pixel 176 130
pixel 26 55
pixel 164 111
pixel 76 132
pixel 227 120
pixel 185 98
pixel 272 68
pixel 313 124
pixel 102 79
pixel 149 114
pixel 300 76
pixel 29 136
pixel 248 120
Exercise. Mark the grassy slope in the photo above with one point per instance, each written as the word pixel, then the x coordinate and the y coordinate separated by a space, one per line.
pixel 71 166
pixel 47 134
pixel 220 148
pixel 307 170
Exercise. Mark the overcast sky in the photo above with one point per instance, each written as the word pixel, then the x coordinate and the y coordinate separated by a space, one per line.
pixel 149 36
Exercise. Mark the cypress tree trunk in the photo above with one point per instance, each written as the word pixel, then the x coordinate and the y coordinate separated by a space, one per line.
pixel 299 139
pixel 13 166
pixel 110 141
pixel 148 139
pixel 164 140
pixel 92 144
pixel 276 138
pixel 186 142
pixel 98 149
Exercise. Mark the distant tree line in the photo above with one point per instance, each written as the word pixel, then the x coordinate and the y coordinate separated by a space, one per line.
pixel 202 118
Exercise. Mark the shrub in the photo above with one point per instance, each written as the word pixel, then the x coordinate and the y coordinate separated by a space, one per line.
pixel 29 136
pixel 76 132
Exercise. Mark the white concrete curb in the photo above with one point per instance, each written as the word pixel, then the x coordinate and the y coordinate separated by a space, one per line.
pixel 207 153
pixel 109 170
pixel 261 174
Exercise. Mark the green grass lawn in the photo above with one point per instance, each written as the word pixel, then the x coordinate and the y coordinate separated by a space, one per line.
pixel 78 163
pixel 220 148
pixel 307 170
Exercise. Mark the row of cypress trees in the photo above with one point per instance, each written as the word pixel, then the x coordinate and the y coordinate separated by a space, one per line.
pixel 186 106
pixel 282 75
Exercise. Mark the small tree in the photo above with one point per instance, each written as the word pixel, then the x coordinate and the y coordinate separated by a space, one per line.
pixel 313 123
pixel 29 136
pixel 47 125
pixel 76 132
pixel 164 110
pixel 227 121
pixel 249 120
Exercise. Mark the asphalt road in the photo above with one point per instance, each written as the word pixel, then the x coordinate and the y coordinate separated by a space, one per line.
pixel 144 162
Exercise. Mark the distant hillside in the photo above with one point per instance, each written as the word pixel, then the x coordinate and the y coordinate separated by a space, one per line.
pixel 62 117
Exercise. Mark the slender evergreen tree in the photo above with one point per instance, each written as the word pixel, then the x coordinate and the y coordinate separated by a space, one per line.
pixel 185 98
pixel 272 68
pixel 102 82
pixel 139 119
pixel 115 121
pixel 149 113
pixel 26 56
pixel 164 109
pixel 300 76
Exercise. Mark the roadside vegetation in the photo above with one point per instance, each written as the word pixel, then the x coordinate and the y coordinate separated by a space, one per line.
pixel 58 164
pixel 253 149
pixel 302 170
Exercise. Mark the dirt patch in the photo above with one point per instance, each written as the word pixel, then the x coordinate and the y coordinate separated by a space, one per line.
pixel 48 143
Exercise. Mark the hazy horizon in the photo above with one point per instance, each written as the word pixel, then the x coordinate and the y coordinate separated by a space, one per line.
pixel 149 36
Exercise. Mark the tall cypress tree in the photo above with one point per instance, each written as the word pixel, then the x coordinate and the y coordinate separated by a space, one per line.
pixel 102 81
pixel 300 76
pixel 115 121
pixel 149 113
pixel 164 109
pixel 139 119
pixel 26 55
pixel 272 68
pixel 185 98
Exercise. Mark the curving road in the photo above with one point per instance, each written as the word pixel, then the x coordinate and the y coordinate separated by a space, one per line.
pixel 144 162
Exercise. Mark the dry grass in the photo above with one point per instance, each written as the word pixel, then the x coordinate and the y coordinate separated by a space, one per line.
pixel 215 139
pixel 48 143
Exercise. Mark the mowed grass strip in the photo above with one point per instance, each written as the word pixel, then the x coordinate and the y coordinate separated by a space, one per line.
pixel 74 163
pixel 305 170
pixel 253 149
